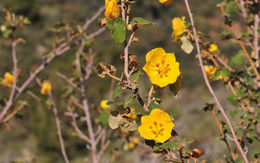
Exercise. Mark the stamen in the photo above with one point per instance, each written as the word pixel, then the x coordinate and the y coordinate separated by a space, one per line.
pixel 154 132
pixel 157 64
pixel 163 61
pixel 159 70
pixel 160 125
pixel 165 71
pixel 150 127
pixel 168 65
pixel 161 130
pixel 155 123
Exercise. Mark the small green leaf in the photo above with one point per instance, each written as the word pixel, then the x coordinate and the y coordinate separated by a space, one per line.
pixel 27 21
pixel 237 60
pixel 186 141
pixel 232 99
pixel 136 76
pixel 117 91
pixel 222 3
pixel 231 7
pixel 173 146
pixel 233 113
pixel 152 106
pixel 175 87
pixel 186 45
pixel 129 100
pixel 140 21
pixel 103 118
pixel 118 29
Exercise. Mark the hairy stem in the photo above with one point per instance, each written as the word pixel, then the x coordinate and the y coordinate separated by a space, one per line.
pixel 209 86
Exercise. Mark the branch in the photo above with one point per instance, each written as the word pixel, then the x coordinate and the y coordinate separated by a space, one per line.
pixel 86 107
pixel 256 37
pixel 68 80
pixel 55 111
pixel 209 86
pixel 11 97
pixel 62 48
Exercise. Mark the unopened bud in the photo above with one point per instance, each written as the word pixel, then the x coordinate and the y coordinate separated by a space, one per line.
pixel 135 39
pixel 104 21
pixel 129 27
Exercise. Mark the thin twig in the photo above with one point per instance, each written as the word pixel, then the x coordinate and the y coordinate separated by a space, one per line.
pixel 220 127
pixel 247 56
pixel 256 36
pixel 150 95
pixel 55 111
pixel 209 86
pixel 86 107
pixel 13 113
pixel 64 47
pixel 64 77
pixel 78 131
pixel 11 97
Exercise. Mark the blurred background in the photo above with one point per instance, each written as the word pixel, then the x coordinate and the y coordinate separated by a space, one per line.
pixel 32 134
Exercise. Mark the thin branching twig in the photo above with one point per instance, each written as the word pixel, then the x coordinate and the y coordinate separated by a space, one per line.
pixel 209 86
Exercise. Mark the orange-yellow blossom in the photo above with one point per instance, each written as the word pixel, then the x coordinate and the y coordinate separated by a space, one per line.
pixel 131 114
pixel 112 9
pixel 210 71
pixel 8 80
pixel 157 126
pixel 46 88
pixel 161 67
pixel 165 2
pixel 104 105
pixel 179 27
pixel 213 48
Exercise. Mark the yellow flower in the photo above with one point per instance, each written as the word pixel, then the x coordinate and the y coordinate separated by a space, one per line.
pixel 157 126
pixel 161 67
pixel 213 48
pixel 104 105
pixel 165 2
pixel 252 53
pixel 112 9
pixel 46 88
pixel 131 114
pixel 210 71
pixel 131 145
pixel 178 26
pixel 8 79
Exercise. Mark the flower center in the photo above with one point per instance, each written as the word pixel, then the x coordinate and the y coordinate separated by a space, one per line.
pixel 162 68
pixel 156 129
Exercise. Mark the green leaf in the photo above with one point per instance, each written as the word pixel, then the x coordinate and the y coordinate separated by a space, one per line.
pixel 103 118
pixel 118 29
pixel 27 21
pixel 152 106
pixel 173 146
pixel 129 100
pixel 231 7
pixel 232 99
pixel 186 141
pixel 140 21
pixel 233 113
pixel 222 3
pixel 117 91
pixel 175 87
pixel 237 60
pixel 136 76
pixel 186 45
pixel 242 92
